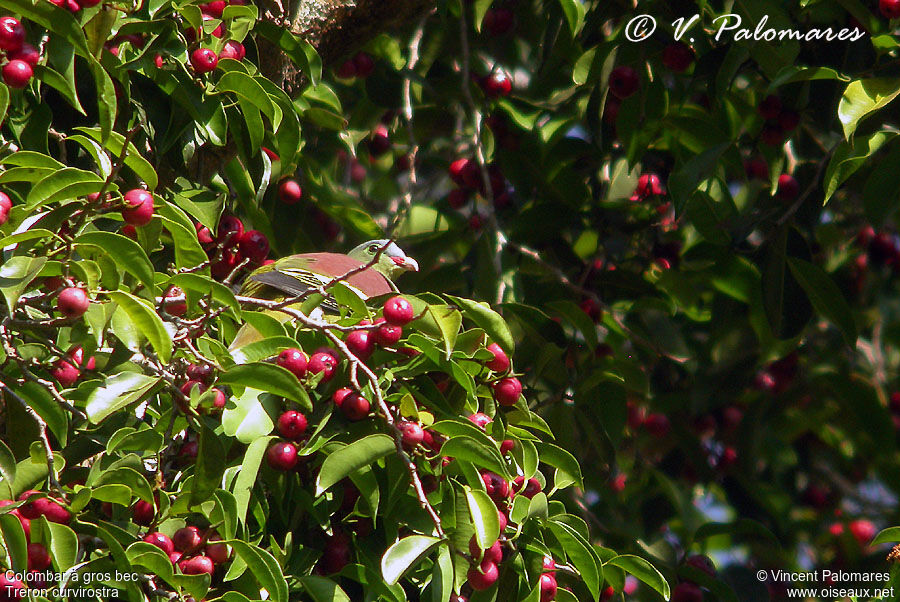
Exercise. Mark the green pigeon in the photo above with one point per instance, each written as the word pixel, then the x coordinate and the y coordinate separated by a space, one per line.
pixel 296 274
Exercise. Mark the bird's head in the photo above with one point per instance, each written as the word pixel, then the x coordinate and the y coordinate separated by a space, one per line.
pixel 392 262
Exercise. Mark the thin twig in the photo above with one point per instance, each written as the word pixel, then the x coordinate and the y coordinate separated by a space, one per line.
pixel 42 432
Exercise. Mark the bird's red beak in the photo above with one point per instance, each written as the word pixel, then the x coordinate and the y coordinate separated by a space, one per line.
pixel 407 263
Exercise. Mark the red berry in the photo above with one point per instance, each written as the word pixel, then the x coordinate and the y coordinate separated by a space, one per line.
pixel 502 519
pixel 12 34
pixel 140 210
pixel 229 231
pixel 607 593
pixel 11 589
pixel 496 486
pixel 291 424
pixel 204 60
pixel 201 372
pixel 480 419
pixel 17 73
pixel 702 562
pixel 529 488
pixel 507 391
pixel 214 8
pixel 507 445
pixel 889 8
pixel 27 53
pixel 398 311
pixel 364 64
pixel 5 202
pixel 623 82
pixel 217 552
pixel 339 396
pixel 648 185
pixel 788 188
pixel 548 565
pixel 177 307
pixel 500 361
pixel 282 456
pixel 187 539
pixel 161 541
pixel 347 70
pixel 289 191
pixel 65 373
pixel 142 512
pixel 380 142
pixel 219 400
pixel 657 425
pixel 387 334
pixel 38 557
pixel 863 531
pixel 496 85
pixel 361 343
pixel 232 50
pixel 72 302
pixel 253 245
pixel 294 361
pixel 484 577
pixel 175 556
pixel 187 387
pixel 686 592
pixel 677 56
pixel 548 587
pixel 498 21
pixel 770 107
pixel 412 433
pixel 198 565
pixel 355 407
pixel 324 363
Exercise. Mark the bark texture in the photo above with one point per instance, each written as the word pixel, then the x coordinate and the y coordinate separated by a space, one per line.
pixel 336 28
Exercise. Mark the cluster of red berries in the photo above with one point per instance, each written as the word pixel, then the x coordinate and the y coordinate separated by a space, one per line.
pixel 360 65
pixel 779 121
pixel 201 377
pixel 36 505
pixel 466 174
pixel 21 57
pixel 205 60
pixel 192 551
pixel 232 246
pixel 648 186
pixel 67 370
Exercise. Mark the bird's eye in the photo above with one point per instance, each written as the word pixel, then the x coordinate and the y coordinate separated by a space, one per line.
pixel 373 248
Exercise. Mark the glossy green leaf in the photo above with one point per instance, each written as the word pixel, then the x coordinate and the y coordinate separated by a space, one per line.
pixel 466 448
pixel 15 276
pixel 848 158
pixel 264 567
pixel 209 467
pixel 125 252
pixel 825 295
pixel 269 378
pixel 489 320
pixel 14 542
pixel 484 517
pixel 352 457
pixel 67 183
pixel 863 97
pixel 321 589
pixel 404 554
pixel 644 571
pixel 145 318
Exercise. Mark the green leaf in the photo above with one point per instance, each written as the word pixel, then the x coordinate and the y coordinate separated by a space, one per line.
pixel 352 457
pixel 251 416
pixel 881 193
pixel 864 96
pixel 574 10
pixel 27 158
pixel 37 233
pixel 48 408
pixel 796 73
pixel 129 477
pixel 7 471
pixel 209 467
pixel 145 318
pixel 847 158
pixel 644 571
pixel 248 89
pixel 57 81
pixel 562 460
pixel 321 589
pixel 489 320
pixel 301 52
pixel 442 576
pixel 466 448
pixel 14 542
pixel 269 378
pixel 206 286
pixel 484 517
pixel 889 535
pixel 826 297
pixel 64 184
pixel 134 160
pixel 15 276
pixel 264 567
pixel 580 554
pixel 448 321
pixel 243 484
pixel 63 546
pixel 124 252
pixel 404 554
